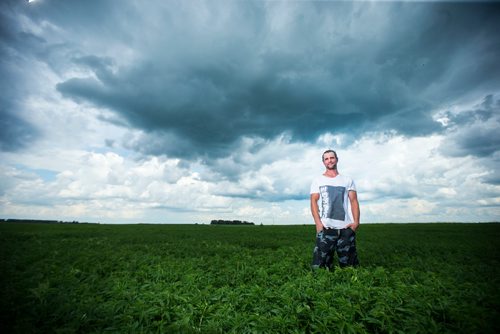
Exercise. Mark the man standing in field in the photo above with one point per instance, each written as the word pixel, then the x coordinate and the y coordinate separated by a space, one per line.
pixel 338 218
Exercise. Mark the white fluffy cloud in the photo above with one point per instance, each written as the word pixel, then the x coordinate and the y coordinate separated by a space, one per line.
pixel 399 180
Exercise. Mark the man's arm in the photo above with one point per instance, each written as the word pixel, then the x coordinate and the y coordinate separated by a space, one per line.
pixel 315 212
pixel 353 198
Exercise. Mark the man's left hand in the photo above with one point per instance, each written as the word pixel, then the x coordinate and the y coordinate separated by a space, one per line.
pixel 352 226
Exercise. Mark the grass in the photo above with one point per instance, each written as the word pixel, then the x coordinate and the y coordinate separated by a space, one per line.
pixel 420 278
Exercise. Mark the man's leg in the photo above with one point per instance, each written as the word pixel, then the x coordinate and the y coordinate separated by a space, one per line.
pixel 346 248
pixel 324 250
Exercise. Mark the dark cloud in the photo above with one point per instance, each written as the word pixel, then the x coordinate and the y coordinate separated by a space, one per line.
pixel 483 113
pixel 206 74
pixel 16 133
pixel 493 176
pixel 474 132
pixel 475 140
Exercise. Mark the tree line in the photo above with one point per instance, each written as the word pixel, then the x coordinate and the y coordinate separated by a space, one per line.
pixel 230 222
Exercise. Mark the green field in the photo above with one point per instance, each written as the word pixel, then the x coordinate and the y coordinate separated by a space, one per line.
pixel 413 278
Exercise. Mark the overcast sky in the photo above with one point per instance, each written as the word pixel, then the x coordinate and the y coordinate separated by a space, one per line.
pixel 187 111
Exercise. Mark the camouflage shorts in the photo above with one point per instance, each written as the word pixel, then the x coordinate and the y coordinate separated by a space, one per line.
pixel 329 241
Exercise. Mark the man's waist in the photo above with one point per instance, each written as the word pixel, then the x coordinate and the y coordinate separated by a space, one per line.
pixel 333 228
pixel 335 224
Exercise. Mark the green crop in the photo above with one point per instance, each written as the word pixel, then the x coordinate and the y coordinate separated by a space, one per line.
pixel 413 278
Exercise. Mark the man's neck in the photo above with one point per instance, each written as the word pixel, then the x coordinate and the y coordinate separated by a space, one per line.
pixel 331 173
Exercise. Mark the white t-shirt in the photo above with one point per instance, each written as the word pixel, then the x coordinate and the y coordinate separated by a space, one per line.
pixel 334 203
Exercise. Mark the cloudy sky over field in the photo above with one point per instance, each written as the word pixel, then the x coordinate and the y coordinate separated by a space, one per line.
pixel 187 111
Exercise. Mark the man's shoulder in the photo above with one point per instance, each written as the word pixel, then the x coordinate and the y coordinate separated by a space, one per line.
pixel 322 179
pixel 317 182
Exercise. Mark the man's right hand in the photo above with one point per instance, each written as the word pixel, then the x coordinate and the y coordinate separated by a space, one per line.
pixel 319 228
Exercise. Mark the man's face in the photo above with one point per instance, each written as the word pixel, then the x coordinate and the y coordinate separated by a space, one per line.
pixel 329 160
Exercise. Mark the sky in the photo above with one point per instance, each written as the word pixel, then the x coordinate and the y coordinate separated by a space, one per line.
pixel 186 111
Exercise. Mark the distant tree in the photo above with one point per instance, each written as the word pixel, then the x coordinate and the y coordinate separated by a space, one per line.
pixel 230 222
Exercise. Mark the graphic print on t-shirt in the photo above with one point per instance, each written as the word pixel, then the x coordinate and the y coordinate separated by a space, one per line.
pixel 332 203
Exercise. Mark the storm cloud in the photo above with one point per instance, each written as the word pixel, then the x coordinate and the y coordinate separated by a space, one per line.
pixel 206 74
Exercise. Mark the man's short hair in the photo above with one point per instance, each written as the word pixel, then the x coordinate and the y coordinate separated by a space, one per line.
pixel 329 151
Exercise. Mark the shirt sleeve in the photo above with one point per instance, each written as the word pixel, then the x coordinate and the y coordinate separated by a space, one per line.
pixel 351 186
pixel 314 187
